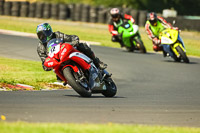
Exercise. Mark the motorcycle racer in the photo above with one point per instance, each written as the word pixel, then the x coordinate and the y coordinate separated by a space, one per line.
pixel 117 18
pixel 45 34
pixel 154 25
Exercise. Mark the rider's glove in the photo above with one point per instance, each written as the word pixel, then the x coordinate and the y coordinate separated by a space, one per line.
pixel 46 69
pixel 156 41
pixel 132 20
pixel 114 32
pixel 74 43
pixel 175 28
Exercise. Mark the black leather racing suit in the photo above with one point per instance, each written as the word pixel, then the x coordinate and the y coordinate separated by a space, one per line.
pixel 74 41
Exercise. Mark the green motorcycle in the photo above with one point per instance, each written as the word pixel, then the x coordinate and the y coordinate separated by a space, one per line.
pixel 129 33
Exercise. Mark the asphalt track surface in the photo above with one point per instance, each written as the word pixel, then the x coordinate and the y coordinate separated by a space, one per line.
pixel 152 90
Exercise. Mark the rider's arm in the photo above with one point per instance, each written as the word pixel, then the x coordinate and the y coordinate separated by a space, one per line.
pixel 43 55
pixel 151 36
pixel 73 39
pixel 149 32
pixel 126 16
pixel 111 30
pixel 164 22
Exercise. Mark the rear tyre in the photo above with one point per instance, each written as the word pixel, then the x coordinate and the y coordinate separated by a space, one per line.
pixel 111 88
pixel 183 54
pixel 71 78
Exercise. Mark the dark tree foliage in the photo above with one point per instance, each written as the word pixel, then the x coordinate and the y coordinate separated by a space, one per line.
pixel 183 7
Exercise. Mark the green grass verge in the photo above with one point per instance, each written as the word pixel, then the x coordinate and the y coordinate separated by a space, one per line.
pixel 13 71
pixel 22 127
pixel 91 32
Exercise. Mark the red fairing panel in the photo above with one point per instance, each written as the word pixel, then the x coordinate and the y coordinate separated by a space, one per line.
pixel 50 62
pixel 81 62
pixel 75 68
pixel 66 49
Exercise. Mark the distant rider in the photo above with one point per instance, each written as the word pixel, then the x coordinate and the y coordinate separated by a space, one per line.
pixel 45 34
pixel 117 18
pixel 154 25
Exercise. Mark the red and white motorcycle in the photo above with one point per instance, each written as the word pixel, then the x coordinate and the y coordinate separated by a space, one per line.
pixel 78 70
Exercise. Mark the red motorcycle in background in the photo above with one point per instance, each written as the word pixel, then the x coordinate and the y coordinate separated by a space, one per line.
pixel 78 70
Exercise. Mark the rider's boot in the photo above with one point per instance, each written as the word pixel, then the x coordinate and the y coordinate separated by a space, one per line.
pixel 121 44
pixel 99 63
pixel 164 54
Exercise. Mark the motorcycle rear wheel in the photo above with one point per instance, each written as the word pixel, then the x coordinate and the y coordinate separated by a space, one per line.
pixel 111 88
pixel 183 54
pixel 71 78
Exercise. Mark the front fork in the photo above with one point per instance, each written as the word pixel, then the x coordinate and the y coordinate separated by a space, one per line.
pixel 137 37
pixel 180 44
pixel 173 47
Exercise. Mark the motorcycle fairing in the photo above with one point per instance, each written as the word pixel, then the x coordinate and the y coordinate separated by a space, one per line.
pixel 128 32
pixel 168 36
pixel 81 59
pixel 86 63
pixel 51 62
pixel 66 49
pixel 80 55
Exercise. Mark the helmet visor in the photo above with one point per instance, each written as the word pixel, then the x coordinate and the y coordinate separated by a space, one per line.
pixel 48 33
pixel 115 15
pixel 41 35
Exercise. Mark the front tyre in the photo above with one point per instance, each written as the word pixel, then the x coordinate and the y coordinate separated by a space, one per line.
pixel 182 54
pixel 140 45
pixel 71 77
pixel 111 88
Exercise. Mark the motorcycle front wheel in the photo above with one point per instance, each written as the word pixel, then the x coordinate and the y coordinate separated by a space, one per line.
pixel 75 83
pixel 182 54
pixel 140 45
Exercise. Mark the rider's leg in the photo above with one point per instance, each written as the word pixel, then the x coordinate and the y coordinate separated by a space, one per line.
pixel 180 39
pixel 116 39
pixel 83 47
pixel 167 49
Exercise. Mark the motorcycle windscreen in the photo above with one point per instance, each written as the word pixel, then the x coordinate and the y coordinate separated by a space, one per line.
pixel 53 47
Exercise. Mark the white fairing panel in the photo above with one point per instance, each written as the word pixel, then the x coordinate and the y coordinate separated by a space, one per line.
pixel 54 51
pixel 135 28
pixel 80 55
pixel 165 40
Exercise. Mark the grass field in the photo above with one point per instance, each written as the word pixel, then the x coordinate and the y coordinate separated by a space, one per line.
pixel 14 71
pixel 22 127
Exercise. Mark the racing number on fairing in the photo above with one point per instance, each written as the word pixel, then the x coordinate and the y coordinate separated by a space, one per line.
pixel 54 50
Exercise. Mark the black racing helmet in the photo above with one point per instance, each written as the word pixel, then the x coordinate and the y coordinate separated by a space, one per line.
pixel 152 17
pixel 115 13
pixel 44 32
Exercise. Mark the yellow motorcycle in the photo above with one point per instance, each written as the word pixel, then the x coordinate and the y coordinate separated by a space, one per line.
pixel 172 38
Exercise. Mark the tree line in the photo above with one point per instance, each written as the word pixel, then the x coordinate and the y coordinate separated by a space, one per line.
pixel 183 7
